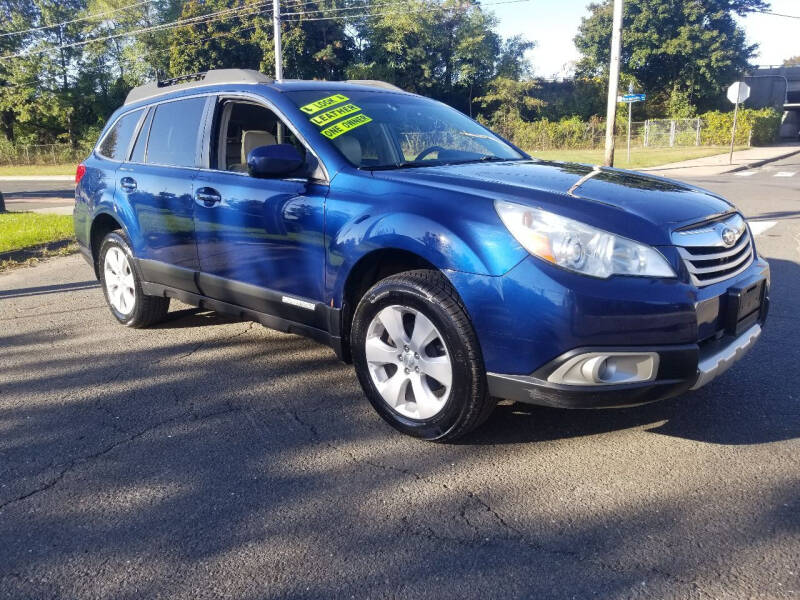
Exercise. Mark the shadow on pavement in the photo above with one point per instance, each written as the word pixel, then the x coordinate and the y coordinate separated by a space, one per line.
pixel 49 289
pixel 248 466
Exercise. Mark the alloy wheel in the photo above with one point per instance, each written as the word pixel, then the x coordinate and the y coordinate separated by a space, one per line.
pixel 119 281
pixel 409 362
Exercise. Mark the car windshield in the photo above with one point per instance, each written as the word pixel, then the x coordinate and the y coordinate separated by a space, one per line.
pixel 382 130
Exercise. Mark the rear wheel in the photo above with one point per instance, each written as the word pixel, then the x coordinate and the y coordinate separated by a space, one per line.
pixel 121 285
pixel 417 357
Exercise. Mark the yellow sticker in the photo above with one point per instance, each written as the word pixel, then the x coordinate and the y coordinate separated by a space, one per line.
pixel 338 129
pixel 332 115
pixel 317 106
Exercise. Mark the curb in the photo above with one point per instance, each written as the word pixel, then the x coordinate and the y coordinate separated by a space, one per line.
pixel 24 254
pixel 37 178
pixel 761 163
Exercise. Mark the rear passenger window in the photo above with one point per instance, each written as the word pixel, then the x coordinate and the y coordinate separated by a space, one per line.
pixel 116 143
pixel 173 134
pixel 137 156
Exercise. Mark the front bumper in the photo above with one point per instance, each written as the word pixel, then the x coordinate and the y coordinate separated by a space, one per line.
pixel 681 368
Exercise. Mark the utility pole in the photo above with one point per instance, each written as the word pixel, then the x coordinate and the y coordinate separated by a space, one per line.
pixel 613 82
pixel 276 21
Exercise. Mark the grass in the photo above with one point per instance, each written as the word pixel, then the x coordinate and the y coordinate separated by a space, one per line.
pixel 45 253
pixel 22 230
pixel 65 169
pixel 640 157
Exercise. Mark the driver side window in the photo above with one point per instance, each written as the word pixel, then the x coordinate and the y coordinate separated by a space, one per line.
pixel 241 126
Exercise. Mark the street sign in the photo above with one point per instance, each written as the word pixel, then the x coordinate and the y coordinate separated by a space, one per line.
pixel 631 98
pixel 738 92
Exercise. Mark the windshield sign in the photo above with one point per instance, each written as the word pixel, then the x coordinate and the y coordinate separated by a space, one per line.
pixel 379 130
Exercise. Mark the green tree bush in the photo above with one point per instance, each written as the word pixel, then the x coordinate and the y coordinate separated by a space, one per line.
pixel 763 124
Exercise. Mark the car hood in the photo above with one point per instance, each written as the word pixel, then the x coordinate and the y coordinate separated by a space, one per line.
pixel 660 202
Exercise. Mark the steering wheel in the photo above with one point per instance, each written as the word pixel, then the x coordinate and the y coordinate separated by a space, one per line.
pixel 428 150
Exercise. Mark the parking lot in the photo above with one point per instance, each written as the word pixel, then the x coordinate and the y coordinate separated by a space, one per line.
pixel 207 457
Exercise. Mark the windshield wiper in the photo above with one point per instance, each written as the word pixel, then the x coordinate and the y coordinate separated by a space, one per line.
pixel 403 165
pixel 484 158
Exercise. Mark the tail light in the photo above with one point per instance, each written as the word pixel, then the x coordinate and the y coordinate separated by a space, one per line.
pixel 79 173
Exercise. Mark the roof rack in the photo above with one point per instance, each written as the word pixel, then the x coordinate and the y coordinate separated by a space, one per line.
pixel 375 83
pixel 186 82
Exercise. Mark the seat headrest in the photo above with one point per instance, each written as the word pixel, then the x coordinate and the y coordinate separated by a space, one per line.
pixel 253 139
pixel 350 147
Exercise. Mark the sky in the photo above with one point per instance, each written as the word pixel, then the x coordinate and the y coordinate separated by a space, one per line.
pixel 553 23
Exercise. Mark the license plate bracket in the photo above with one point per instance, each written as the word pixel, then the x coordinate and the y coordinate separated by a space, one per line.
pixel 743 305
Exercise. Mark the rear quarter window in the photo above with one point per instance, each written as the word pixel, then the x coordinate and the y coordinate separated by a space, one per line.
pixel 174 132
pixel 117 141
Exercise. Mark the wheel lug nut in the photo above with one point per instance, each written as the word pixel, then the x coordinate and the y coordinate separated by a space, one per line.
pixel 399 357
pixel 407 371
pixel 416 355
pixel 405 348
pixel 416 369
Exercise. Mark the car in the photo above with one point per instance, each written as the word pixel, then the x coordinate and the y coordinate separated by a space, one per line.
pixel 448 266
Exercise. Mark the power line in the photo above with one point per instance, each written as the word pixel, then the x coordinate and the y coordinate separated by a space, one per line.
pixel 78 20
pixel 198 20
pixel 774 14
pixel 241 11
pixel 394 12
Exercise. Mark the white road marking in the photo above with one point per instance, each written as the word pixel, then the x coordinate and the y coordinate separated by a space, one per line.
pixel 759 227
pixel 745 173
pixel 785 173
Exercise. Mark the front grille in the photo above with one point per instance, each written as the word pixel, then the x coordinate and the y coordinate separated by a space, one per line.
pixel 708 260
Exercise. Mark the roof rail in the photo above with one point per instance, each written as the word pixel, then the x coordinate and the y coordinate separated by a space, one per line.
pixel 186 82
pixel 375 83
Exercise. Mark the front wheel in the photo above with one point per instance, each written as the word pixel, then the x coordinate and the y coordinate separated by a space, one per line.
pixel 417 357
pixel 121 286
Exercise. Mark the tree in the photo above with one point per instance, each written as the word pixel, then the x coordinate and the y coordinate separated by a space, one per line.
pixel 446 50
pixel 677 51
pixel 792 62
pixel 509 102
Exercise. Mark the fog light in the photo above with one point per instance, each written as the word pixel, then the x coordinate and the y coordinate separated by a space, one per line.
pixel 607 368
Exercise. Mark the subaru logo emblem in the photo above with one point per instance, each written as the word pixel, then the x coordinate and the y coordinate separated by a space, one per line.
pixel 728 236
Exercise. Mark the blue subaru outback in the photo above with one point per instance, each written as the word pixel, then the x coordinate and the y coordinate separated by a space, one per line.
pixel 447 265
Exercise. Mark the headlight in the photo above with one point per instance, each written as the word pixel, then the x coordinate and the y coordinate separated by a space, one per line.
pixel 579 247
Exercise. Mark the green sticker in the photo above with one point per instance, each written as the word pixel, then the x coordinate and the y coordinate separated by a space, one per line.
pixel 317 106
pixel 338 129
pixel 336 113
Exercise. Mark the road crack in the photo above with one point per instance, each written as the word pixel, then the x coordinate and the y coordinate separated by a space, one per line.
pixel 77 462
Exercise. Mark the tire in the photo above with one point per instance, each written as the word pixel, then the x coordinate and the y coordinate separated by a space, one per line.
pixel 421 401
pixel 135 309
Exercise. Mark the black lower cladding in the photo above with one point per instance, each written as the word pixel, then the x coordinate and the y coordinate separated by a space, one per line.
pixel 272 309
pixel 676 373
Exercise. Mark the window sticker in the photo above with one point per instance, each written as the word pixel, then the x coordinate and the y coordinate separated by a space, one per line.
pixel 338 129
pixel 317 106
pixel 333 114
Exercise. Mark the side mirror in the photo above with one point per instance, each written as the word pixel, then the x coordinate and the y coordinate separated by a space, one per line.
pixel 276 160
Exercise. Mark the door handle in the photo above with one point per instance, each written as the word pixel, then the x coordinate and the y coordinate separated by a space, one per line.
pixel 128 184
pixel 207 197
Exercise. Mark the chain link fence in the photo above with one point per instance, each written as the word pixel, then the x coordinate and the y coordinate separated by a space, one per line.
pixel 39 154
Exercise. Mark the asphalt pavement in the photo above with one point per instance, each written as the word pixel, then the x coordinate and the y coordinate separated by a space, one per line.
pixel 22 195
pixel 208 458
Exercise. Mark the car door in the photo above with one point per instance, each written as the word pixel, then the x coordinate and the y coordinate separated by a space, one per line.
pixel 158 181
pixel 259 241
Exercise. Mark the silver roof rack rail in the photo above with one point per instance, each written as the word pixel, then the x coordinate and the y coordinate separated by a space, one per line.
pixel 186 82
pixel 375 83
